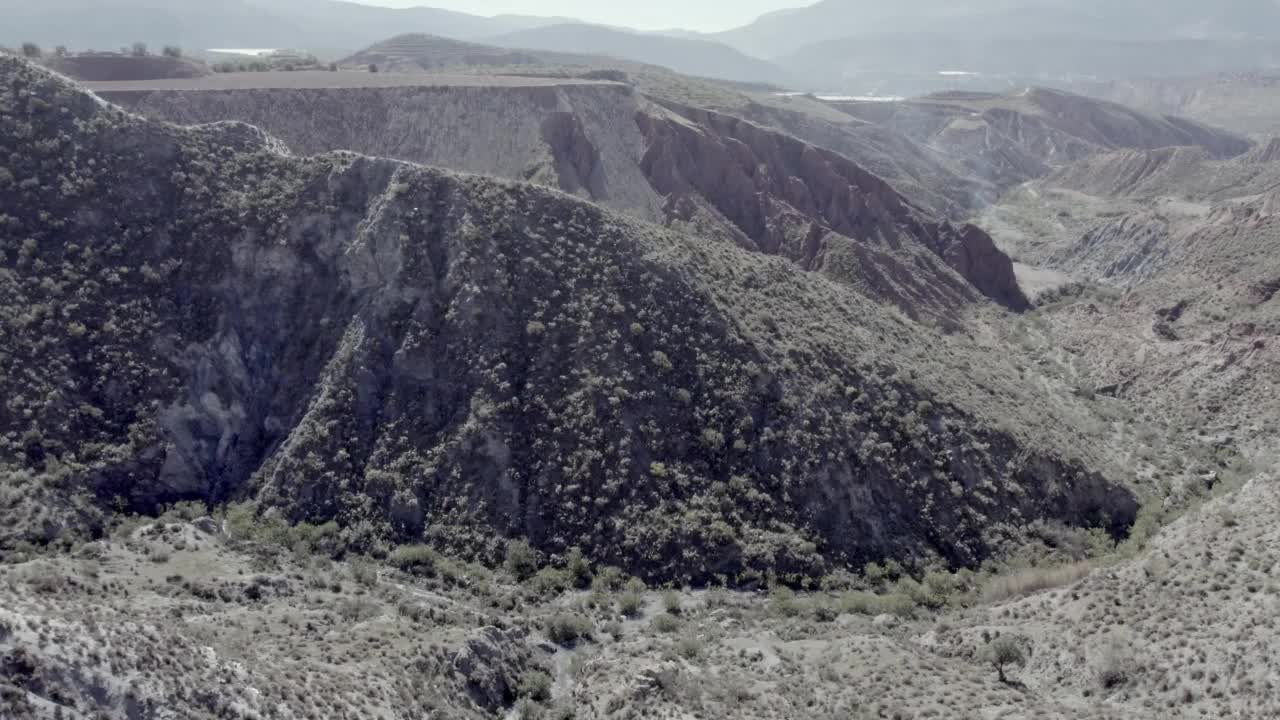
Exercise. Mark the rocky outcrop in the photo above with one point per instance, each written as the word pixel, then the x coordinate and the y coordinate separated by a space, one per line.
pixel 577 161
pixel 491 665
pixel 975 256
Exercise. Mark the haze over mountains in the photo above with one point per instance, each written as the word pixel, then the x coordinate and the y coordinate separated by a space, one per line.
pixel 834 45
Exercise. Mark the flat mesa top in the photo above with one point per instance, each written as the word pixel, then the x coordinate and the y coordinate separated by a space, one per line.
pixel 320 79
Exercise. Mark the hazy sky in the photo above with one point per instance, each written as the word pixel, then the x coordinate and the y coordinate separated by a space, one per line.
pixel 706 15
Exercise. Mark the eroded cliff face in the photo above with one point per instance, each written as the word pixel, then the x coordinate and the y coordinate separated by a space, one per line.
pixel 710 173
pixel 792 199
pixel 579 138
pixel 192 313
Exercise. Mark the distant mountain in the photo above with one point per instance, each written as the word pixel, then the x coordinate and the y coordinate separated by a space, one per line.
pixel 236 23
pixel 703 58
pixel 856 64
pixel 781 33
pixel 1012 138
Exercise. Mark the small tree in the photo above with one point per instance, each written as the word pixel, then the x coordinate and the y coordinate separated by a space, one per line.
pixel 1001 652
pixel 60 51
pixel 139 49
pixel 172 51
pixel 31 50
pixel 373 67
pixel 333 67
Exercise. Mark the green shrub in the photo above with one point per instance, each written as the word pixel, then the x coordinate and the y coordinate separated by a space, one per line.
pixel 578 569
pixel 323 539
pixel 1116 665
pixel 940 589
pixel 548 582
pixel 607 579
pixel 631 604
pixel 358 609
pixel 415 560
pixel 689 647
pixel 566 629
pixel 671 602
pixel 521 560
pixel 414 612
pixel 858 602
pixel 1033 580
pixel 185 511
pixel 364 573
pixel 824 611
pixel 784 603
pixel 535 685
pixel 665 623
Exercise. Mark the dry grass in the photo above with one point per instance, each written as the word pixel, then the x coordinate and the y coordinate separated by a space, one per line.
pixel 1034 580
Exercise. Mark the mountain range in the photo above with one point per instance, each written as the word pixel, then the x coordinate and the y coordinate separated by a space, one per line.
pixel 834 45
